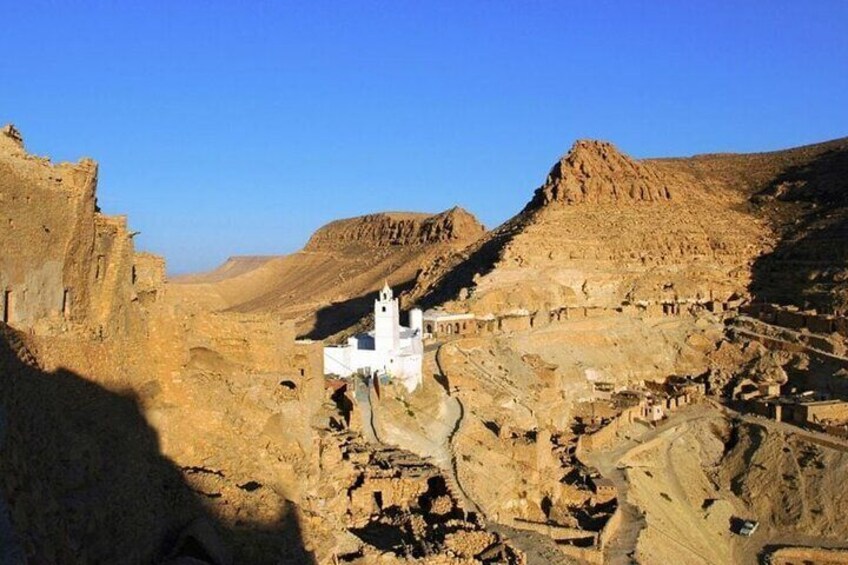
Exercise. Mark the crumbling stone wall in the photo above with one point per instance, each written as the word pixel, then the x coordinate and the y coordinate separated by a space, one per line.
pixel 64 264
pixel 48 224
pixel 262 342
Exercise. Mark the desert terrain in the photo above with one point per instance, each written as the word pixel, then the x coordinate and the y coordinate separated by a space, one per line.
pixel 654 370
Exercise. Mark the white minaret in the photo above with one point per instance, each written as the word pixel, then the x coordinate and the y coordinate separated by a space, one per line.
pixel 386 321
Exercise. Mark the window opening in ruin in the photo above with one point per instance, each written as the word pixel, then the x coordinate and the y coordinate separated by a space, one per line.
pixel 302 372
pixel 546 506
pixel 134 275
pixel 384 308
pixel 378 499
pixel 98 272
pixel 8 306
pixel 66 303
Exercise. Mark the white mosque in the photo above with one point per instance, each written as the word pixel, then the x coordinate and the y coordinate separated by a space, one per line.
pixel 389 350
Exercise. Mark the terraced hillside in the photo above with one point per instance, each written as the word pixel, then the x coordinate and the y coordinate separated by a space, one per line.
pixel 605 229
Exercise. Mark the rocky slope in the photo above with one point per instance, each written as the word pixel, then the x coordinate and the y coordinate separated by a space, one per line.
pixel 596 172
pixel 605 230
pixel 394 228
pixel 330 283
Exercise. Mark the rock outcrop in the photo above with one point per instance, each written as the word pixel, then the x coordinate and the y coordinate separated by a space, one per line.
pixel 64 263
pixel 380 230
pixel 801 194
pixel 596 172
pixel 111 396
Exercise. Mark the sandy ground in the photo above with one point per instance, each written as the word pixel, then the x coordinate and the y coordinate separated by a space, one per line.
pixel 688 479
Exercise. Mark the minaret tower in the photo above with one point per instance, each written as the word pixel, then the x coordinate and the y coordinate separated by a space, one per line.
pixel 386 321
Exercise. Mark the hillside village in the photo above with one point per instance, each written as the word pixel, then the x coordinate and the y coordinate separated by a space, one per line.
pixel 573 386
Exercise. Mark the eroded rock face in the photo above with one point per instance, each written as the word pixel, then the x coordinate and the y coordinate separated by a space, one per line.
pixel 596 172
pixel 397 229
pixel 108 412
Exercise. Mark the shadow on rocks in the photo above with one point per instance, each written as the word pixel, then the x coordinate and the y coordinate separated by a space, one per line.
pixel 82 480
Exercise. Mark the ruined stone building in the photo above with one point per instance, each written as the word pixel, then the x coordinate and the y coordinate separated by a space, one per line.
pixel 64 264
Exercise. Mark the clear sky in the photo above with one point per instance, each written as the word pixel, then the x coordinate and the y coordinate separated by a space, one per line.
pixel 226 128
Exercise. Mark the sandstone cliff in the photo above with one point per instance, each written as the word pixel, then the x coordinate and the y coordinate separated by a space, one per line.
pixel 388 228
pixel 64 264
pixel 802 195
pixel 113 401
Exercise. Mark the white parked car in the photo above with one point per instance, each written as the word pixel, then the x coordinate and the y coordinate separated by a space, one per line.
pixel 748 528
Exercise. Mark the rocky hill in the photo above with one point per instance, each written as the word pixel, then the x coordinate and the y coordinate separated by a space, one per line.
pixel 397 228
pixel 606 230
pixel 596 172
pixel 802 194
pixel 330 284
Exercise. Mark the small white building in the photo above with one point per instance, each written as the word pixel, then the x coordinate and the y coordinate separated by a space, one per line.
pixel 388 350
pixel 437 322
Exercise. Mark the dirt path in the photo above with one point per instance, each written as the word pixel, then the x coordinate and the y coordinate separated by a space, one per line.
pixel 363 399
pixel 752 549
pixel 613 463
pixel 538 549
pixel 622 547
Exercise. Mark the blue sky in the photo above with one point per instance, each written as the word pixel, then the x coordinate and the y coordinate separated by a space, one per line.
pixel 226 128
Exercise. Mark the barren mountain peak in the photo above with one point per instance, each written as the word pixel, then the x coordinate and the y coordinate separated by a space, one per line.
pixel 597 172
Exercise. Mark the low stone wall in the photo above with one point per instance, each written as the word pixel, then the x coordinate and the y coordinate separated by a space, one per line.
pixel 538 319
pixel 798 555
pixel 584 554
pixel 837 431
pixel 794 319
pixel 607 434
pixel 610 528
pixel 554 531
pixel 805 344
pixel 259 342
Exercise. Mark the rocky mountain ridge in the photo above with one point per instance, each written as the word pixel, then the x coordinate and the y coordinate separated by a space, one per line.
pixel 393 228
pixel 605 229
